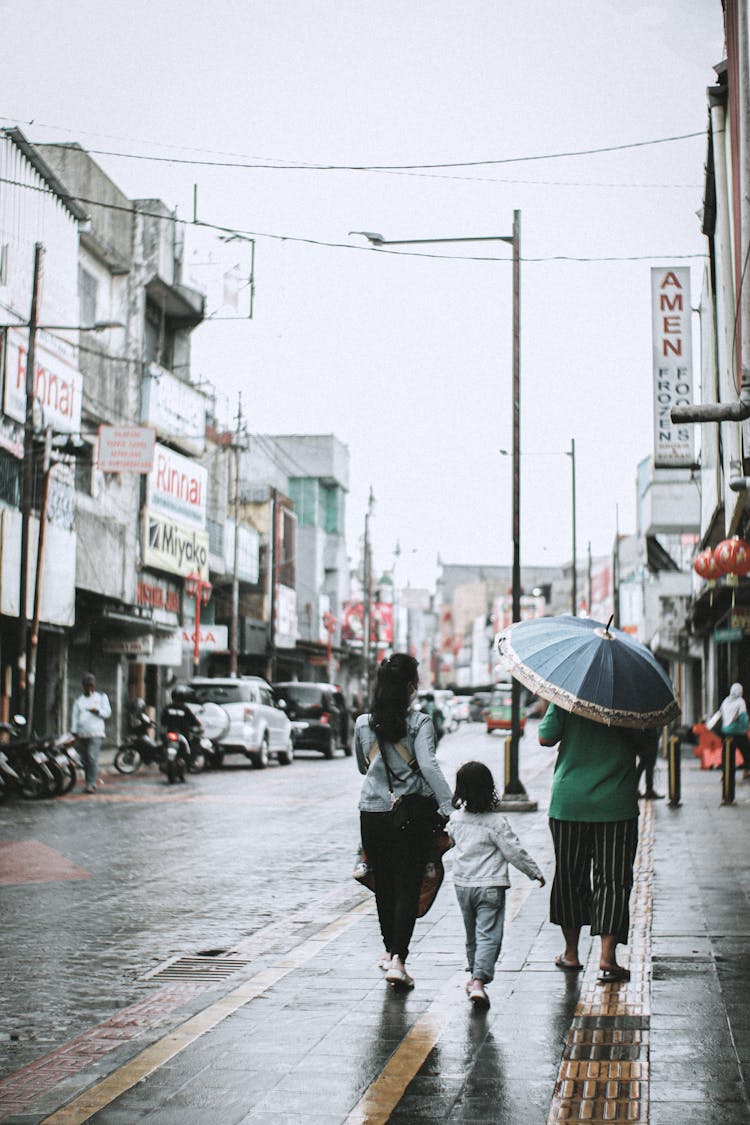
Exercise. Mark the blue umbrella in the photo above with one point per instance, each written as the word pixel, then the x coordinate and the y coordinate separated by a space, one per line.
pixel 590 669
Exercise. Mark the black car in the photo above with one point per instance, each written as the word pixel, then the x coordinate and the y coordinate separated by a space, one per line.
pixel 318 714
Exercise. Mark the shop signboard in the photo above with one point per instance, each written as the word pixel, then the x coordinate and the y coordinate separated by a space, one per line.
pixel 286 617
pixel 175 408
pixel 672 363
pixel 57 380
pixel 728 636
pixel 125 449
pixel 177 488
pixel 129 646
pixel 211 638
pixel 171 546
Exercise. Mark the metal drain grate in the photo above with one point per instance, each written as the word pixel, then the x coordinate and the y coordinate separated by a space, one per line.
pixel 198 969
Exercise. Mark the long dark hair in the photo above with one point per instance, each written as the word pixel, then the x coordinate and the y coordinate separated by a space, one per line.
pixel 475 788
pixel 390 701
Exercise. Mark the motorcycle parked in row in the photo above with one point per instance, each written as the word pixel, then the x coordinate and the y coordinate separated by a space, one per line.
pixel 26 765
pixel 139 748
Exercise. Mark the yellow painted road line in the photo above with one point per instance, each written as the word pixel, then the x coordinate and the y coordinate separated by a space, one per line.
pixel 92 1101
pixel 381 1098
pixel 384 1094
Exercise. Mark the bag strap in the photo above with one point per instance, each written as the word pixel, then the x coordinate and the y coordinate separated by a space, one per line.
pixel 402 751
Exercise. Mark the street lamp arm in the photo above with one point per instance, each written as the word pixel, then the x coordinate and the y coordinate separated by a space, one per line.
pixel 378 240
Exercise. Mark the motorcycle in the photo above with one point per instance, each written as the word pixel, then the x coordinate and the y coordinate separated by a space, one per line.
pixel 180 718
pixel 177 756
pixel 139 748
pixel 25 766
pixel 62 761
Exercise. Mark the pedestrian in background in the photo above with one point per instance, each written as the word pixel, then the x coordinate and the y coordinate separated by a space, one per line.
pixel 90 710
pixel 484 845
pixel 648 750
pixel 732 720
pixel 593 815
pixel 395 749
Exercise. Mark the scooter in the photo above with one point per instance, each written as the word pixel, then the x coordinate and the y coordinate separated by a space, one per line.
pixel 139 748
pixel 176 756
pixel 180 718
pixel 26 767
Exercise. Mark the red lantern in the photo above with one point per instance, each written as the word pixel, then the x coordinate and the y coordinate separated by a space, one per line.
pixel 733 559
pixel 707 567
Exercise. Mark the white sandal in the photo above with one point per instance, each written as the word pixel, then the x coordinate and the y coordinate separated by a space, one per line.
pixel 399 978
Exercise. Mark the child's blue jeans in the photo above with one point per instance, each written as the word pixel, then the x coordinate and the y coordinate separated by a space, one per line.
pixel 483 909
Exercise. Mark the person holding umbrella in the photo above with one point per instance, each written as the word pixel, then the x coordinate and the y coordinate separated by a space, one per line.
pixel 606 691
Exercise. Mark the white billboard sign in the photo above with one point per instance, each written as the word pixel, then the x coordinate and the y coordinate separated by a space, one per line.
pixel 125 449
pixel 248 552
pixel 176 408
pixel 672 363
pixel 177 488
pixel 171 546
pixel 286 617
pixel 211 638
pixel 57 380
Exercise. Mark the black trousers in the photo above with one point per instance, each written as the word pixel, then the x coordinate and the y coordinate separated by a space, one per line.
pixel 604 851
pixel 398 857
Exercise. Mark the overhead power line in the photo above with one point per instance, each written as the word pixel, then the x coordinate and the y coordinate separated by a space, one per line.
pixel 302 166
pixel 239 160
pixel 133 210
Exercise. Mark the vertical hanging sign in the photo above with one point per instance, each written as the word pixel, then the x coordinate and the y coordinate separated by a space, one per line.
pixel 672 363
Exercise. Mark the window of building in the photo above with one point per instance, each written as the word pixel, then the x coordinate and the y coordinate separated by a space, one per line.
pixel 304 495
pixel 84 470
pixel 87 295
pixel 10 480
pixel 333 499
pixel 158 337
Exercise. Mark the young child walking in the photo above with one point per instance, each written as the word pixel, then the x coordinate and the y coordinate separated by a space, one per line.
pixel 484 845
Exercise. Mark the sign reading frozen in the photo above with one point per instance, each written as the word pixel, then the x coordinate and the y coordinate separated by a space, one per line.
pixel 175 408
pixel 672 363
pixel 177 488
pixel 57 380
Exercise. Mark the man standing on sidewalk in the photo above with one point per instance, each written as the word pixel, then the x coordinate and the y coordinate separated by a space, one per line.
pixel 89 712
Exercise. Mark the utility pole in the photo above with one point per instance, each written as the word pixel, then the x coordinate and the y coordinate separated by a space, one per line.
pixel 27 489
pixel 574 577
pixel 47 468
pixel 367 601
pixel 272 568
pixel 234 622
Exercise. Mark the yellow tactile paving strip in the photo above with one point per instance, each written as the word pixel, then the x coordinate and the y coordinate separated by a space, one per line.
pixel 603 1076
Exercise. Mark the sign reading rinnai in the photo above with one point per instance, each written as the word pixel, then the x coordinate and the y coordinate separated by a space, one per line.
pixel 672 363
pixel 177 488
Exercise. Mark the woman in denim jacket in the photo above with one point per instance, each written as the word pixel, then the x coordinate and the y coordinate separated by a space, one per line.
pixel 396 855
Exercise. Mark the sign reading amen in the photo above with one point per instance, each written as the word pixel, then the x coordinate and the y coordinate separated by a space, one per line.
pixel 126 449
pixel 672 363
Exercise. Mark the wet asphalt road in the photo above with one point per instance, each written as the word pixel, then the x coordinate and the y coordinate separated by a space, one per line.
pixel 98 892
pixel 174 870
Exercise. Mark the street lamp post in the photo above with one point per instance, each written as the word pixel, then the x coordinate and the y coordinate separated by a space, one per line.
pixel 514 793
pixel 574 572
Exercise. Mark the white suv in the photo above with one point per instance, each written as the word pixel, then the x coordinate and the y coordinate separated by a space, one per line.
pixel 241 716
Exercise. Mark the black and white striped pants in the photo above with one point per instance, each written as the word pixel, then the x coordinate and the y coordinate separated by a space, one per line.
pixel 605 850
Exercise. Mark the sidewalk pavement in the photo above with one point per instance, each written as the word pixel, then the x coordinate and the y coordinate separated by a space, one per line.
pixel 305 1030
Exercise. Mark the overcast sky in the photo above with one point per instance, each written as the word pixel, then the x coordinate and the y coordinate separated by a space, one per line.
pixel 407 359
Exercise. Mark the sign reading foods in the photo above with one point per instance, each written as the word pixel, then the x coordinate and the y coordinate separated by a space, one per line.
pixel 672 363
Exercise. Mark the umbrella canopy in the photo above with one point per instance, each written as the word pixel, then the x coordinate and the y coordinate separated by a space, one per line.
pixel 590 669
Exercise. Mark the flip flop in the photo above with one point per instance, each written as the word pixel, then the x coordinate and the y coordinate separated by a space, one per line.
pixel 611 976
pixel 566 966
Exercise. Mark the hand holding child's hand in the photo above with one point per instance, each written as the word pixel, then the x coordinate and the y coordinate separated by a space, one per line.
pixel 541 880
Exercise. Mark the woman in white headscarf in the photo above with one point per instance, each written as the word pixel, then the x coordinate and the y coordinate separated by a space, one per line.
pixel 733 718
